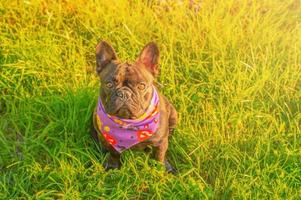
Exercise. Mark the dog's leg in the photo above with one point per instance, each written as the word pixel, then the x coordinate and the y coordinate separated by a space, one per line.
pixel 159 155
pixel 172 122
pixel 113 161
pixel 173 118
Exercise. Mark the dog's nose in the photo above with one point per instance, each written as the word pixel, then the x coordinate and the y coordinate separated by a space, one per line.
pixel 123 94
pixel 120 94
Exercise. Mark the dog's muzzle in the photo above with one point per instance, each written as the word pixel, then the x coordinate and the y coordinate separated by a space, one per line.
pixel 123 94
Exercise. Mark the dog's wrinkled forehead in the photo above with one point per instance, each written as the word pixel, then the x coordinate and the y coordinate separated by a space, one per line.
pixel 146 63
pixel 126 72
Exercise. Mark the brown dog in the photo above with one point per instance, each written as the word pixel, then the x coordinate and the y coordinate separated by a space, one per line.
pixel 126 92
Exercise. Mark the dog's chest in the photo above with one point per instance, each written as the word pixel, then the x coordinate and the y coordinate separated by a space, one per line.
pixel 123 134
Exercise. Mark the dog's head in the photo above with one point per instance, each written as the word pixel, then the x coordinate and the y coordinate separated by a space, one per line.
pixel 126 87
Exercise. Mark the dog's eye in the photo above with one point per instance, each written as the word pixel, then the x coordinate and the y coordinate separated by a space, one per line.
pixel 109 84
pixel 141 86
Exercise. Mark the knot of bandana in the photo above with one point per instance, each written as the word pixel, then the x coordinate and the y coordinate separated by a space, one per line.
pixel 121 133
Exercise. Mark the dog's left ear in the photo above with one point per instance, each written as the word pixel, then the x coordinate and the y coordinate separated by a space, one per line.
pixel 149 57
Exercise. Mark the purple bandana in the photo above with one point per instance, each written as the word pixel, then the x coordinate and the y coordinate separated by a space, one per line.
pixel 121 133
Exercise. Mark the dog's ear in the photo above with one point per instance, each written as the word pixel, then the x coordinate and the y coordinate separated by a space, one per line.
pixel 104 55
pixel 149 57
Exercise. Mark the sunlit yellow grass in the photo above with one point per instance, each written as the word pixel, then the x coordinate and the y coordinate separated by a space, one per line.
pixel 231 68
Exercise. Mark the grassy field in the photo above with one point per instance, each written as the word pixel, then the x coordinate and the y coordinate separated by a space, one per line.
pixel 231 68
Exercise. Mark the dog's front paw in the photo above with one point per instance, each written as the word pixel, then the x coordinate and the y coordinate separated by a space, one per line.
pixel 112 163
pixel 169 168
pixel 108 166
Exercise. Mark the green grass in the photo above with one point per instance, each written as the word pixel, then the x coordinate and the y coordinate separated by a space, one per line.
pixel 232 70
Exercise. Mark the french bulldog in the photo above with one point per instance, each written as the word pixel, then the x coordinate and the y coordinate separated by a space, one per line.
pixel 131 113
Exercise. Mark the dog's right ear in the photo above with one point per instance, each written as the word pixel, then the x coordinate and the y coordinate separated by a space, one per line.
pixel 104 55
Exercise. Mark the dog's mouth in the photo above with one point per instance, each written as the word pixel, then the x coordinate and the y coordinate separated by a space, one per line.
pixel 125 112
pixel 131 109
